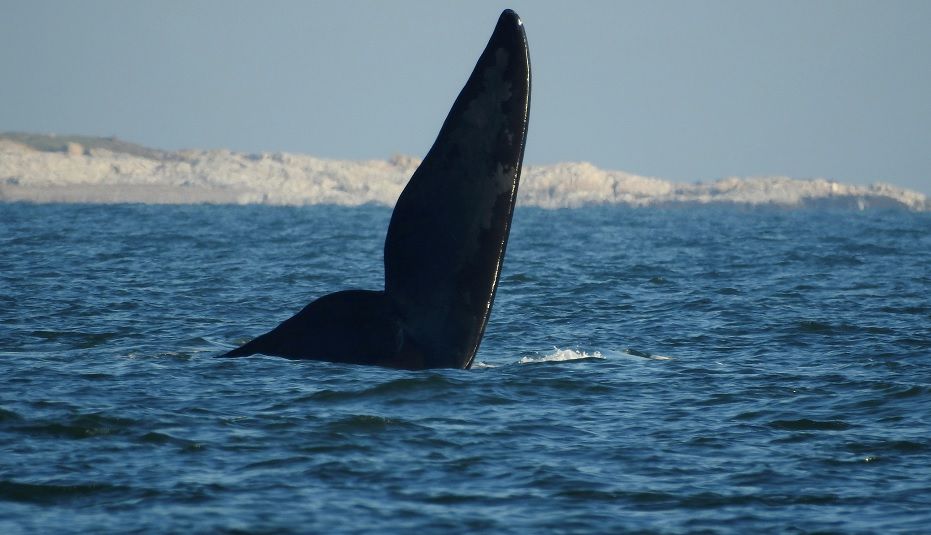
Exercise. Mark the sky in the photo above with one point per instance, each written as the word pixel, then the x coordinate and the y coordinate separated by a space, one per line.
pixel 681 90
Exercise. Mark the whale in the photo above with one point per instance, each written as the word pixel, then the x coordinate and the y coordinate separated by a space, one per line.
pixel 446 239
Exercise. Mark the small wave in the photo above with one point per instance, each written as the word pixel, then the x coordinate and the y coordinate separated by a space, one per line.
pixel 392 389
pixel 819 327
pixel 155 437
pixel 561 355
pixel 565 355
pixel 896 446
pixel 367 423
pixel 806 424
pixel 645 354
pixel 78 340
pixel 80 426
pixel 51 492
pixel 8 415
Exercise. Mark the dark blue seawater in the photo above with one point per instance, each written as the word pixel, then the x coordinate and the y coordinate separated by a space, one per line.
pixel 711 369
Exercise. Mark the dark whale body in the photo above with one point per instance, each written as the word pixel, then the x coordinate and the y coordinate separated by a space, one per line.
pixel 446 239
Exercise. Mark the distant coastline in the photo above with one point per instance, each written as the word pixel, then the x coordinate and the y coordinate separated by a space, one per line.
pixel 82 169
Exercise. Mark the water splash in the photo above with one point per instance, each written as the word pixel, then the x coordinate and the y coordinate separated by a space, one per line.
pixel 561 355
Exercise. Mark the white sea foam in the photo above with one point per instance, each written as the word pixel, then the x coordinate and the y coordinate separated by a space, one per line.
pixel 221 176
pixel 561 355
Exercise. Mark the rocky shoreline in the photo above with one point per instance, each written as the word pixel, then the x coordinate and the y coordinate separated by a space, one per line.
pixel 111 171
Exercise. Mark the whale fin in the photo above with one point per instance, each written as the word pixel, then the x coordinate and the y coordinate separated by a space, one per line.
pixel 352 326
pixel 448 233
pixel 446 239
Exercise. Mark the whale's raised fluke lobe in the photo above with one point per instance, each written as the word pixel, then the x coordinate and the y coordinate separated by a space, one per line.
pixel 446 240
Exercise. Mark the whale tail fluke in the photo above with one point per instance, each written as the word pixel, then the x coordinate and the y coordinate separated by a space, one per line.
pixel 352 326
pixel 244 350
pixel 446 239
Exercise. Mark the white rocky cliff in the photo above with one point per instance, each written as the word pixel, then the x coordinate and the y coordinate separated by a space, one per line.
pixel 75 173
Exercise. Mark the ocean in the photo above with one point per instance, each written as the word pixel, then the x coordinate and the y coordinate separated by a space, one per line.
pixel 686 368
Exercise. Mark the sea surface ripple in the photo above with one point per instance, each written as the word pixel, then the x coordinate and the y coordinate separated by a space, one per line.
pixel 692 369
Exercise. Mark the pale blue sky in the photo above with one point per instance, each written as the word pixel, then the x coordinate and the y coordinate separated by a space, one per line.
pixel 683 90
